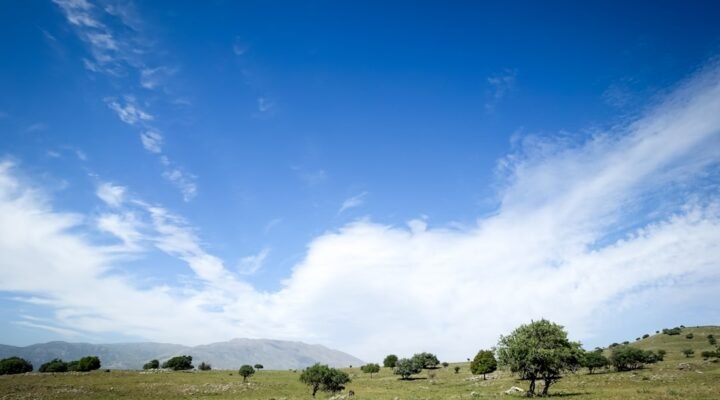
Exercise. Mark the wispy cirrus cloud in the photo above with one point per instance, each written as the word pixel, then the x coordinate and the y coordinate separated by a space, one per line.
pixel 586 233
pixel 119 54
pixel 501 85
pixel 352 202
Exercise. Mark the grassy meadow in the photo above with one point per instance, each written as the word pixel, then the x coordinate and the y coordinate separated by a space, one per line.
pixel 698 379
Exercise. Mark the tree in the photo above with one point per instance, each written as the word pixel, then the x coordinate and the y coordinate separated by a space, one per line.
pixel 152 364
pixel 54 365
pixel 594 359
pixel 426 360
pixel 457 369
pixel 688 352
pixel 204 366
pixel 89 363
pixel 179 363
pixel 370 369
pixel 645 336
pixel 14 365
pixel 259 366
pixel 246 371
pixel 661 354
pixel 689 336
pixel 406 367
pixel 483 363
pixel 322 377
pixel 539 351
pixel 390 361
pixel 712 340
pixel 627 358
pixel 445 364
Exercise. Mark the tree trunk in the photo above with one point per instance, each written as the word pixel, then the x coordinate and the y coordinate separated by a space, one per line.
pixel 531 389
pixel 483 376
pixel 548 382
pixel 315 389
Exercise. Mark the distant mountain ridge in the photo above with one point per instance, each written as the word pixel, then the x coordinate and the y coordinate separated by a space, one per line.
pixel 272 354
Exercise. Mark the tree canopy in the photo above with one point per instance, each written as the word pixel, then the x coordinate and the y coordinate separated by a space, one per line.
pixel 483 363
pixel 390 361
pixel 179 363
pixel 370 369
pixel 539 350
pixel 322 377
pixel 15 365
pixel 54 365
pixel 152 364
pixel 426 360
pixel 246 371
pixel 405 367
pixel 593 360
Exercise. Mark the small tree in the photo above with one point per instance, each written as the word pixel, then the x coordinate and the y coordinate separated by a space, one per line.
pixel 457 369
pixel 322 377
pixel 405 367
pixel 689 336
pixel 246 371
pixel 539 351
pixel 204 366
pixel 258 366
pixel 14 365
pixel 426 360
pixel 645 336
pixel 483 363
pixel 661 354
pixel 390 361
pixel 594 359
pixel 688 352
pixel 54 365
pixel 152 364
pixel 370 369
pixel 627 358
pixel 712 340
pixel 445 364
pixel 89 363
pixel 179 363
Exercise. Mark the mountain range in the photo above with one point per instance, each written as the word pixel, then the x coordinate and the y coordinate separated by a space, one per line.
pixel 272 354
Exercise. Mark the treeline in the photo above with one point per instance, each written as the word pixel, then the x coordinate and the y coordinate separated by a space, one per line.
pixel 17 365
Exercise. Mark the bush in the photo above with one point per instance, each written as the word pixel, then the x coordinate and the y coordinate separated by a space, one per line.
pixel 483 363
pixel 645 336
pixel 445 364
pixel 89 363
pixel 712 340
pixel 152 364
pixel 14 365
pixel 627 358
pixel 54 365
pixel 322 377
pixel 204 366
pixel 370 369
pixel 594 359
pixel 673 331
pixel 390 361
pixel 661 354
pixel 457 369
pixel 405 367
pixel 179 363
pixel 688 352
pixel 426 360
pixel 246 371
pixel 689 336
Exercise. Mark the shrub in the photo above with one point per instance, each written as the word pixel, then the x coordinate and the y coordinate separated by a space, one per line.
pixel 626 358
pixel 673 331
pixel 14 365
pixel 54 365
pixel 204 366
pixel 626 343
pixel 483 363
pixel 179 363
pixel 390 361
pixel 457 369
pixel 152 364
pixel 370 369
pixel 246 371
pixel 322 377
pixel 689 336
pixel 445 364
pixel 688 352
pixel 661 354
pixel 405 367
pixel 426 360
pixel 712 340
pixel 594 359
pixel 645 336
pixel 89 363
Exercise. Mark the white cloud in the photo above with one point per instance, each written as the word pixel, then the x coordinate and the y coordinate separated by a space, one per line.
pixel 152 141
pixel 264 105
pixel 124 226
pixel 501 84
pixel 352 202
pixel 78 12
pixel 252 264
pixel 558 247
pixel 151 78
pixel 184 182
pixel 113 195
pixel 130 113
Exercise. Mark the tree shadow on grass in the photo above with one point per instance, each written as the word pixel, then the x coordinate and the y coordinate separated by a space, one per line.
pixel 567 394
pixel 414 378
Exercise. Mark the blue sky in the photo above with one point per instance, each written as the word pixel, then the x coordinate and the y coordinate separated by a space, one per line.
pixel 341 174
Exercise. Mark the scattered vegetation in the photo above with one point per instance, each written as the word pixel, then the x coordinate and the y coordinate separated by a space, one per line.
pixel 15 365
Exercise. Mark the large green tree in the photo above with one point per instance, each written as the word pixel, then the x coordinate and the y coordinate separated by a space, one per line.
pixel 539 350
pixel 483 363
pixel 179 363
pixel 390 361
pixel 246 371
pixel 14 365
pixel 426 360
pixel 405 367
pixel 54 365
pixel 593 360
pixel 152 364
pixel 322 377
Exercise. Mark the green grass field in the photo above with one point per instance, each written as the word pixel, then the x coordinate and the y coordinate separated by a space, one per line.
pixel 700 379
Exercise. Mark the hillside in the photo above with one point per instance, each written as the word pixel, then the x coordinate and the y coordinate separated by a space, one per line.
pixel 675 344
pixel 273 354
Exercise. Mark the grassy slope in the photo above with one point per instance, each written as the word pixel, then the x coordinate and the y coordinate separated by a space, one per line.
pixel 660 381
